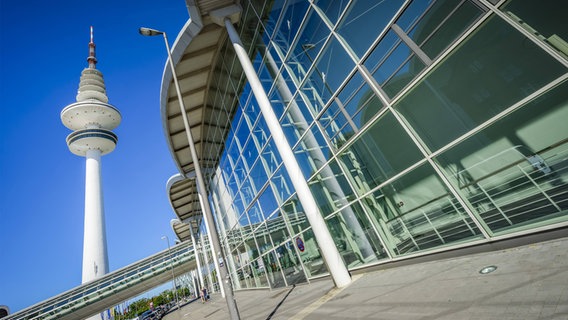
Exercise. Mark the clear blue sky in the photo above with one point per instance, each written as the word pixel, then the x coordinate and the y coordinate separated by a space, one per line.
pixel 43 49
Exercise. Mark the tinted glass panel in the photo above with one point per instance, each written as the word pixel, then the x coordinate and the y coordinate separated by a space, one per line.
pixel 515 172
pixel 416 212
pixel 546 18
pixel 380 153
pixel 494 69
pixel 369 15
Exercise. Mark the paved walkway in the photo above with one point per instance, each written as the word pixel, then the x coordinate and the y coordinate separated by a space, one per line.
pixel 530 282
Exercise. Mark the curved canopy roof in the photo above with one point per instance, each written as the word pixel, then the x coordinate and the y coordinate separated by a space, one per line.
pixel 194 54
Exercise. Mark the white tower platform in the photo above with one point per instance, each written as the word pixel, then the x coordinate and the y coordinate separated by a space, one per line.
pixel 91 118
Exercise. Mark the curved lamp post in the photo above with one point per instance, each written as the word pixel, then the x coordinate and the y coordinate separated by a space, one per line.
pixel 173 274
pixel 226 285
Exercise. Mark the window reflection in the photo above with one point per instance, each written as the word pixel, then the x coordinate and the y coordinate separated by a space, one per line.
pixel 312 38
pixel 515 172
pixel 331 9
pixel 291 21
pixel 495 68
pixel 293 212
pixel 290 262
pixel 416 212
pixel 312 152
pixel 384 150
pixel 546 19
pixel 311 257
pixel 369 15
pixel 330 70
pixel 355 238
pixel 331 189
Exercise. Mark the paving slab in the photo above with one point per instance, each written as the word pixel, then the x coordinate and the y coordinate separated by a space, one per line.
pixel 530 282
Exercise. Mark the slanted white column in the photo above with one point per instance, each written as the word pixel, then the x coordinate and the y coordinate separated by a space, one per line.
pixel 196 255
pixel 331 255
pixel 213 251
pixel 95 259
pixel 360 244
pixel 206 262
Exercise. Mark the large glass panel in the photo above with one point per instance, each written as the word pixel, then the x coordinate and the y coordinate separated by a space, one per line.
pixel 260 133
pixel 354 237
pixel 381 152
pixel 413 12
pixel 331 189
pixel 360 101
pixel 243 219
pixel 515 172
pixel 331 9
pixel 250 152
pixel 311 38
pixel 273 13
pixel 331 69
pixel 265 75
pixel 336 125
pixel 255 214
pixel 496 67
pixel 291 21
pixel 282 185
pixel 249 28
pixel 273 270
pixel 278 102
pixel 271 157
pixel 387 57
pixel 290 263
pixel 247 192
pixel 294 214
pixel 369 15
pixel 367 107
pixel 258 176
pixel 442 24
pixel 310 254
pixel 277 228
pixel 296 121
pixel 544 18
pixel 402 76
pixel 240 172
pixel 267 202
pixel 262 237
pixel 417 212
pixel 259 273
pixel 312 152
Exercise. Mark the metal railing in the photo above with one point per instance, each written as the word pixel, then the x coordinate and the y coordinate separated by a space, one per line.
pixel 107 291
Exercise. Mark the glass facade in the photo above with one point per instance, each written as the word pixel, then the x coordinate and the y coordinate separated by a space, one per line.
pixel 418 126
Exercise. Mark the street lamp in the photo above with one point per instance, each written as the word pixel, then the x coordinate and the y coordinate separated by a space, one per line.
pixel 173 274
pixel 227 285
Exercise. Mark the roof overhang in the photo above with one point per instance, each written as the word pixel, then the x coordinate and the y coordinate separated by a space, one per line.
pixel 194 54
pixel 184 199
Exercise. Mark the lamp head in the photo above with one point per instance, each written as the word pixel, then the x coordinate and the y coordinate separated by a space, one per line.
pixel 149 32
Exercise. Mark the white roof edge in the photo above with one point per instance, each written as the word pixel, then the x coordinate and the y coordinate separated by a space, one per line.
pixel 173 179
pixel 189 31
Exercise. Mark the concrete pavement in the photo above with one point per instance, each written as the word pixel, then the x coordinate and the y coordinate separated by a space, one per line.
pixel 530 282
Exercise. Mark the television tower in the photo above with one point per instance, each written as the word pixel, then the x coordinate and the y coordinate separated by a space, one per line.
pixel 91 118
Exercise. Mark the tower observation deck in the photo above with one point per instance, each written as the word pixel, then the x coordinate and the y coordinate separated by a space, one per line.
pixel 92 120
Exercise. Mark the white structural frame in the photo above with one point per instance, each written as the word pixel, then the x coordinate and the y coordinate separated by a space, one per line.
pixel 329 251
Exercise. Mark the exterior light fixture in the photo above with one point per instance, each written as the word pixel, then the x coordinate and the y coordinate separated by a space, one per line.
pixel 488 269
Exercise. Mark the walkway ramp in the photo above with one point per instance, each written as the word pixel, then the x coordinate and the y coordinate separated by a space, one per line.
pixel 113 288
